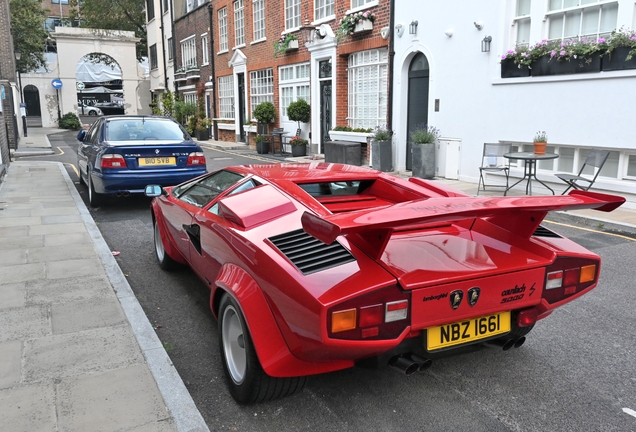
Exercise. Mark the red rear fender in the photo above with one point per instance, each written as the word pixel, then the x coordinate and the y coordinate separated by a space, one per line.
pixel 168 245
pixel 271 349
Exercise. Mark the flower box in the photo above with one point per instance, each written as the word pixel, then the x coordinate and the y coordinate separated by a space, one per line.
pixel 292 45
pixel 180 76
pixel 511 70
pixel 543 66
pixel 249 128
pixel 616 60
pixel 360 137
pixel 363 26
pixel 226 126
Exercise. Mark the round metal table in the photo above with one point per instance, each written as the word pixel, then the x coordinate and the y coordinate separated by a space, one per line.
pixel 530 168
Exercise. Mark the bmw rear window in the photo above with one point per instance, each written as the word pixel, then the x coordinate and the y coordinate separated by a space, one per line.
pixel 146 130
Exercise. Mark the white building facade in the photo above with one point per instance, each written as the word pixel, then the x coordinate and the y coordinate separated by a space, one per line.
pixel 442 77
pixel 159 15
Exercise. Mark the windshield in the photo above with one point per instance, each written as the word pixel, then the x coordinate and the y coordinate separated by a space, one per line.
pixel 144 129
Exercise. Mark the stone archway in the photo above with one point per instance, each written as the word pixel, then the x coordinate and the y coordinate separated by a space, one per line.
pixel 73 44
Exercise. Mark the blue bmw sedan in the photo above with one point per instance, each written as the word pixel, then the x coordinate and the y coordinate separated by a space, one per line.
pixel 120 155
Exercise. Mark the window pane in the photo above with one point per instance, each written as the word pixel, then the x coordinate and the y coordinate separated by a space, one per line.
pixel 572 24
pixel 570 3
pixel 590 22
pixel 523 31
pixel 610 169
pixel 258 7
pixel 239 35
pixel 555 5
pixel 223 29
pixel 547 164
pixel 631 166
pixel 555 29
pixel 609 17
pixel 523 7
pixel 566 159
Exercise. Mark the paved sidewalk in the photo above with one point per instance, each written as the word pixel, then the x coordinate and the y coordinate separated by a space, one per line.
pixel 77 352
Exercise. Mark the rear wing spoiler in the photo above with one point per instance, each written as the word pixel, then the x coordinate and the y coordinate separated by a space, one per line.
pixel 521 215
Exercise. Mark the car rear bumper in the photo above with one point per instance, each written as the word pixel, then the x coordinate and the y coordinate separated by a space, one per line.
pixel 137 182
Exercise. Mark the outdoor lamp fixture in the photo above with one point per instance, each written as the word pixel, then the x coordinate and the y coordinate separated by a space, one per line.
pixel 485 44
pixel 413 27
pixel 310 33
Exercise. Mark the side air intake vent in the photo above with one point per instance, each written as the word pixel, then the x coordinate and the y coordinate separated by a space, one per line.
pixel 542 231
pixel 309 254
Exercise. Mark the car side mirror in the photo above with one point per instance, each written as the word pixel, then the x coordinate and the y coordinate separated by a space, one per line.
pixel 81 134
pixel 154 191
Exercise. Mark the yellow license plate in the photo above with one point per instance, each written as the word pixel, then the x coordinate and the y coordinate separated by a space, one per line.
pixel 461 332
pixel 157 161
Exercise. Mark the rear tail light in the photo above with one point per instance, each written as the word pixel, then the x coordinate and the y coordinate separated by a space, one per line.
pixel 383 314
pixel 568 276
pixel 113 161
pixel 196 158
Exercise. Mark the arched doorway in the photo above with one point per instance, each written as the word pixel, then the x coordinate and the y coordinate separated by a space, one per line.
pixel 99 83
pixel 418 83
pixel 32 100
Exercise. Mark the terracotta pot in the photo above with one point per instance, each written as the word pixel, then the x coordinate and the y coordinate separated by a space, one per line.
pixel 539 147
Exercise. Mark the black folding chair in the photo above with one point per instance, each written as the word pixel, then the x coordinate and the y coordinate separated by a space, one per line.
pixel 493 161
pixel 595 159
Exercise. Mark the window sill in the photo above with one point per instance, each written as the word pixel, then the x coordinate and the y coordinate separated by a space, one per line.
pixel 238 47
pixel 258 41
pixel 323 20
pixel 222 52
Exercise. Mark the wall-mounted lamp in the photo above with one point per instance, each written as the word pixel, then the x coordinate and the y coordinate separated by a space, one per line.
pixel 479 25
pixel 485 44
pixel 399 28
pixel 413 27
pixel 449 32
pixel 310 33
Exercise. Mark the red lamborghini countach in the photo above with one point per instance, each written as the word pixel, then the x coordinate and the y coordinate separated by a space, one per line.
pixel 318 267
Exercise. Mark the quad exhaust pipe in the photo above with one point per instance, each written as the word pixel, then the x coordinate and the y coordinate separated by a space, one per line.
pixel 410 363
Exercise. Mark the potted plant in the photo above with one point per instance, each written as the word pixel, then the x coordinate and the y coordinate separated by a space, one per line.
pixel 299 146
pixel 286 42
pixel 355 23
pixel 264 113
pixel 621 51
pixel 423 139
pixel 540 142
pixel 262 144
pixel 381 149
pixel 300 112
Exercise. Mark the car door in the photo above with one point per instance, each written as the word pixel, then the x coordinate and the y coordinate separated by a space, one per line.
pixel 87 150
pixel 211 248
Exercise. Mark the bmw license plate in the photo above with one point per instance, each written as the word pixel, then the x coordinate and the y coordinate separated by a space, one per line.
pixel 461 332
pixel 156 161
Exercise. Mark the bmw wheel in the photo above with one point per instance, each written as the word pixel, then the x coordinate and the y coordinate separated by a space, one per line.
pixel 165 262
pixel 94 199
pixel 246 378
pixel 92 113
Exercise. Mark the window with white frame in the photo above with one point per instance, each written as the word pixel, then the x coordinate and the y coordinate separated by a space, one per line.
pixel 630 170
pixel 581 18
pixel 189 52
pixel 239 23
pixel 522 21
pixel 292 14
pixel 258 9
pixel 190 98
pixel 323 8
pixel 152 53
pixel 360 3
pixel 223 29
pixel 170 48
pixel 368 88
pixel 226 97
pixel 150 9
pixel 205 49
pixel 294 85
pixel 261 87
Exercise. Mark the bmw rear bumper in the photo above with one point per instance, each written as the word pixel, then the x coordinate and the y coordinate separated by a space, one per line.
pixel 112 183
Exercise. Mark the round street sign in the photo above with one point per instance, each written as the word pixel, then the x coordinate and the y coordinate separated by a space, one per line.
pixel 80 85
pixel 56 83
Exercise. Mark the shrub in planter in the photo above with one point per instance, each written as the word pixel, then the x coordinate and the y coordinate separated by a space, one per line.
pixel 382 149
pixel 299 146
pixel 299 111
pixel 264 113
pixel 262 144
pixel 423 139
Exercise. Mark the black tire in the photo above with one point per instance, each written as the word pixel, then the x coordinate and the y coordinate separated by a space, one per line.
pixel 92 113
pixel 94 199
pixel 246 379
pixel 165 262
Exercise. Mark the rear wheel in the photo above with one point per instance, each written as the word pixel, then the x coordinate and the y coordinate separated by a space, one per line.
pixel 246 378
pixel 165 262
pixel 92 113
pixel 94 199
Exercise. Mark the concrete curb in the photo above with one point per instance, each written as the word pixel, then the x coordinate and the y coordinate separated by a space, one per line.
pixel 184 412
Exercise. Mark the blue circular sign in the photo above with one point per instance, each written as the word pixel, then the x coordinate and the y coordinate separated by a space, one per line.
pixel 56 83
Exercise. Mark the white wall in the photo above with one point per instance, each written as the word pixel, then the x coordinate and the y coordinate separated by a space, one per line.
pixel 477 106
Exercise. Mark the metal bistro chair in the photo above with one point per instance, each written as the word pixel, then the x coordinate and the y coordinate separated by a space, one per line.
pixel 493 161
pixel 595 159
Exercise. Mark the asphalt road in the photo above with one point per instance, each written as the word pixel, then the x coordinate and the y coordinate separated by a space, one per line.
pixel 576 371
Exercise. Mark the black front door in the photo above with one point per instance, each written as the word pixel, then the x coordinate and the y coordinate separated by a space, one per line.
pixel 325 112
pixel 32 99
pixel 241 102
pixel 417 100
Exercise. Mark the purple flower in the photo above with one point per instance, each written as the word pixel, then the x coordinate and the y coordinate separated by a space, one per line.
pixel 511 51
pixel 562 44
pixel 503 57
pixel 528 55
pixel 601 40
pixel 562 53
pixel 633 38
pixel 553 53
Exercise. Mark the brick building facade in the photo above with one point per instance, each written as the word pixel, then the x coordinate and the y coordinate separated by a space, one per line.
pixel 345 79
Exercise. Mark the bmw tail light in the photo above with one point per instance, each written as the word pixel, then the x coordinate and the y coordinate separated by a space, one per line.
pixel 196 158
pixel 113 161
pixel 382 314
pixel 568 276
